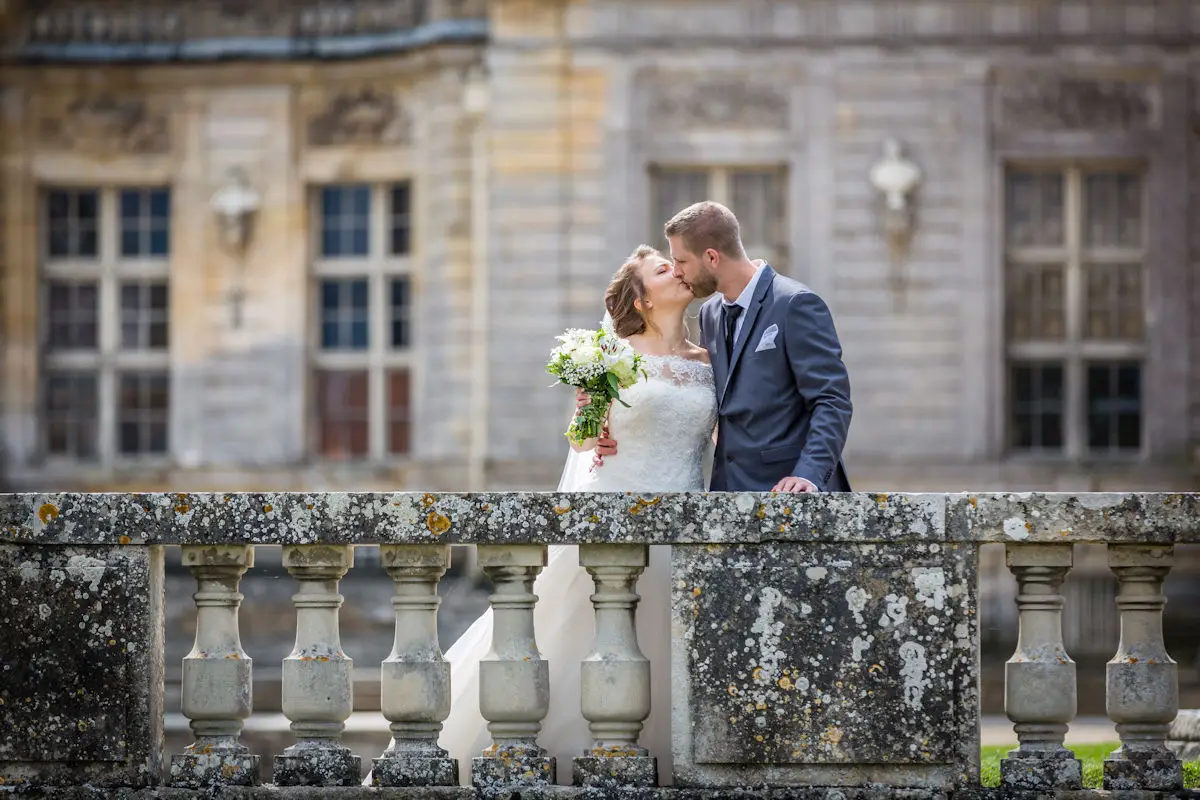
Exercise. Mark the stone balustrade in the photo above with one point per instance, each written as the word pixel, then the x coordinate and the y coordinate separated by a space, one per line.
pixel 820 643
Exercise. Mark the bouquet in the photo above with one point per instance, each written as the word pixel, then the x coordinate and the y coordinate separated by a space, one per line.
pixel 602 365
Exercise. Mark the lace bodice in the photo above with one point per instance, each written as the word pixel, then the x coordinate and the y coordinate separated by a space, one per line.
pixel 663 437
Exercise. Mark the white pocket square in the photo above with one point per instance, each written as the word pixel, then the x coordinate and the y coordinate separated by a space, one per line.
pixel 767 342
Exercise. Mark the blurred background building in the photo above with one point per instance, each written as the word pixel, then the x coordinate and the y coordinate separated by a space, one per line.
pixel 326 245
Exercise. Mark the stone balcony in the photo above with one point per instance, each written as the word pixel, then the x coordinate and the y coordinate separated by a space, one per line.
pixel 823 646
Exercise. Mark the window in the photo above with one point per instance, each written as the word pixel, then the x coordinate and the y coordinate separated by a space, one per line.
pixel 757 195
pixel 1075 260
pixel 105 322
pixel 363 289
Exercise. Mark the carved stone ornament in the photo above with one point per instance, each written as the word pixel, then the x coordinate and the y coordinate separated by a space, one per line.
pixel 1077 104
pixel 718 103
pixel 366 116
pixel 107 124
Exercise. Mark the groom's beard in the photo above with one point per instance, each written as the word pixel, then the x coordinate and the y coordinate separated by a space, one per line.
pixel 704 285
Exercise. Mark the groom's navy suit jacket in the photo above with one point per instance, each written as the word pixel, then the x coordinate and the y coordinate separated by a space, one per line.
pixel 783 394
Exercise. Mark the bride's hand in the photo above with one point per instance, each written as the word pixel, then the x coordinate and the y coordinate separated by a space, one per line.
pixel 582 399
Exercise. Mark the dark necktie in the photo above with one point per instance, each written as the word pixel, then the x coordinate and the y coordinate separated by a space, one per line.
pixel 732 312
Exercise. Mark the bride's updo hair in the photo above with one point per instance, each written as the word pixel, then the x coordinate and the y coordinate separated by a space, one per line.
pixel 625 289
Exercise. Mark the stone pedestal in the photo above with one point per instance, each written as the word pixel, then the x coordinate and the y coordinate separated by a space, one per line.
pixel 825 664
pixel 83 679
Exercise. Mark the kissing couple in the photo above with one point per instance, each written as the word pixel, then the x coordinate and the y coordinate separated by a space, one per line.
pixel 768 385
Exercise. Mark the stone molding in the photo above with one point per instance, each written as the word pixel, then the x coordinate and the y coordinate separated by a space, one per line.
pixel 573 518
pixel 364 115
pixel 1076 103
pixel 105 124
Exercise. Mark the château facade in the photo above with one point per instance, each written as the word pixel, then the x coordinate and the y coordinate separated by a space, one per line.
pixel 268 245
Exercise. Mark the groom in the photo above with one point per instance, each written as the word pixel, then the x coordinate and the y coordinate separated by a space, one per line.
pixel 782 389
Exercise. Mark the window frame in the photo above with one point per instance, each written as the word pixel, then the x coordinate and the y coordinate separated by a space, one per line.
pixel 109 359
pixel 1074 352
pixel 720 189
pixel 379 268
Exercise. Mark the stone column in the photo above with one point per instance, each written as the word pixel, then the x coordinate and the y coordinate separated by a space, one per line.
pixel 415 678
pixel 1039 680
pixel 615 679
pixel 318 687
pixel 514 679
pixel 216 674
pixel 1142 680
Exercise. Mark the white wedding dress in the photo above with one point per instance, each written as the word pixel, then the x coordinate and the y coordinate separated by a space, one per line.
pixel 664 443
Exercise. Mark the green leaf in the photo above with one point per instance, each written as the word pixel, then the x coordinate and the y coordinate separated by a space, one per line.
pixel 613 384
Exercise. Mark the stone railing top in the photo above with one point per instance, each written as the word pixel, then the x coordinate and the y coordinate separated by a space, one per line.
pixel 549 518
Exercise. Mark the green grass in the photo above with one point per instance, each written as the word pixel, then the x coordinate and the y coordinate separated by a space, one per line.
pixel 1092 756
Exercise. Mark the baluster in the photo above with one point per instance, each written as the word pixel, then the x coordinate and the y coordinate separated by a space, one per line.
pixel 415 678
pixel 514 679
pixel 615 679
pixel 318 688
pixel 216 674
pixel 1039 680
pixel 1142 680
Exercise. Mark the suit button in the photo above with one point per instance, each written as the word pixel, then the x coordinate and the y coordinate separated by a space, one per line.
pixel 733 458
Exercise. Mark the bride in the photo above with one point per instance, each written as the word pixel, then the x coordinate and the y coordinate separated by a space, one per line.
pixel 665 436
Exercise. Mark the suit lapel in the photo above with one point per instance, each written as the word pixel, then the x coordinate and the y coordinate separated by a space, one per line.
pixel 720 361
pixel 760 294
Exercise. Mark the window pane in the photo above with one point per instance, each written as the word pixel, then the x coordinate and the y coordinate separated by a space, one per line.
pixel 345 218
pixel 1035 209
pixel 1114 406
pixel 1112 203
pixel 71 219
pixel 71 315
pixel 398 408
pixel 145 222
pixel 143 404
pixel 760 202
pixel 345 313
pixel 144 314
pixel 400 312
pixel 401 220
pixel 674 190
pixel 69 414
pixel 1036 406
pixel 1036 302
pixel 342 417
pixel 1114 302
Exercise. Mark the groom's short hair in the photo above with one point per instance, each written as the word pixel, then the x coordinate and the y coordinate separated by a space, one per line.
pixel 707 225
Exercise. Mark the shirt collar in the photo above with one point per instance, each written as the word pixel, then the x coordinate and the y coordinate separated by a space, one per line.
pixel 747 294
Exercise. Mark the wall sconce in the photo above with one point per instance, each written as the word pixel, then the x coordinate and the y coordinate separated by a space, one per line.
pixel 896 178
pixel 235 205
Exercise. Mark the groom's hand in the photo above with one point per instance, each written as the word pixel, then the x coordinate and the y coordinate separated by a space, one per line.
pixel 793 484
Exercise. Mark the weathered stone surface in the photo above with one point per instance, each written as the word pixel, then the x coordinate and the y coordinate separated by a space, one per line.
pixel 1056 769
pixel 1154 771
pixel 316 766
pixel 81 672
pixel 1062 518
pixel 207 770
pixel 615 772
pixel 578 793
pixel 414 771
pixel 512 767
pixel 890 697
pixel 550 518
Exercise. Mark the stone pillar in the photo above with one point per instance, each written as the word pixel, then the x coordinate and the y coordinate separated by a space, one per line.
pixel 615 679
pixel 1039 679
pixel 318 688
pixel 1142 680
pixel 415 678
pixel 216 674
pixel 514 679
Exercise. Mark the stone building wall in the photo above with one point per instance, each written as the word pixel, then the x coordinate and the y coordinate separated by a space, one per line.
pixel 534 149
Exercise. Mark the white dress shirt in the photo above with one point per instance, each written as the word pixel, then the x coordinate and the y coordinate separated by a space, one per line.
pixel 744 299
